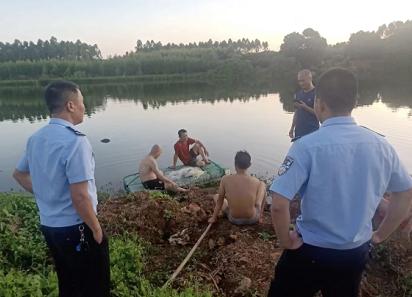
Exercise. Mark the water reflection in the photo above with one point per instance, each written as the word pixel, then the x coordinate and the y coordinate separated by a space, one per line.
pixel 27 103
pixel 391 95
pixel 225 118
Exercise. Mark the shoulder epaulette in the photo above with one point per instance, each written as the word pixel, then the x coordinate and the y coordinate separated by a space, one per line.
pixel 78 133
pixel 372 131
pixel 300 137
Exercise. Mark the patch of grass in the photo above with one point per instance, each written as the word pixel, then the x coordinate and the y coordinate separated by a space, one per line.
pixel 22 245
pixel 26 269
pixel 407 284
pixel 168 215
pixel 155 195
pixel 126 259
pixel 265 236
pixel 17 283
pixel 381 255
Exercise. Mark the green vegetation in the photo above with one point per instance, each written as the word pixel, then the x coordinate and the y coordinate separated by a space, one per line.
pixel 393 259
pixel 28 61
pixel 215 63
pixel 27 270
pixel 406 284
pixel 379 55
pixel 156 195
pixel 266 236
pixel 47 50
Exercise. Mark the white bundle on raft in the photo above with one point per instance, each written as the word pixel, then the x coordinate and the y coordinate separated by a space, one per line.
pixel 185 172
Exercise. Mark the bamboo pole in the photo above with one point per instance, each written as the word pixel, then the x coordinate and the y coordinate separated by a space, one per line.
pixel 177 271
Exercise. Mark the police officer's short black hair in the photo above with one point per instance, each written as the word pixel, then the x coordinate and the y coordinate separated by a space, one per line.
pixel 242 160
pixel 338 88
pixel 180 132
pixel 57 94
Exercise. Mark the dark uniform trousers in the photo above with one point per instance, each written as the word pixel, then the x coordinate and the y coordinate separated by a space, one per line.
pixel 310 269
pixel 82 269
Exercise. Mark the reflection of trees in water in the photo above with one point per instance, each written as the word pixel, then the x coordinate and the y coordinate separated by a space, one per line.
pixel 155 95
pixel 19 104
pixel 391 95
pixel 35 111
pixel 397 96
pixel 27 103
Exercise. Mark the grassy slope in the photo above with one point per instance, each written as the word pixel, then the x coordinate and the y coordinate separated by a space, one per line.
pixel 26 269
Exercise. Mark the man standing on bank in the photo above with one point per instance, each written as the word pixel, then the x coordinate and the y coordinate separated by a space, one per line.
pixel 341 171
pixel 58 168
pixel 304 118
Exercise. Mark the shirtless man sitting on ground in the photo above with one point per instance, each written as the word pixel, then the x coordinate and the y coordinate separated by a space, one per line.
pixel 152 177
pixel 188 155
pixel 241 196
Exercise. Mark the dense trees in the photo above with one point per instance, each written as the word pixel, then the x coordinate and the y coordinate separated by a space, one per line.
pixel 47 50
pixel 308 48
pixel 384 54
pixel 243 45
pixel 161 62
pixel 221 61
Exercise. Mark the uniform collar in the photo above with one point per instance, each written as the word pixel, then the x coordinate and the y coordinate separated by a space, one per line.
pixel 345 120
pixel 58 121
pixel 311 90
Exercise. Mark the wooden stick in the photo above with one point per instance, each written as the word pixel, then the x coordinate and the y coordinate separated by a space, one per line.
pixel 214 282
pixel 177 271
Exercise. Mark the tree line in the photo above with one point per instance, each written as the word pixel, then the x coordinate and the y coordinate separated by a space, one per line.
pixel 68 50
pixel 243 45
pixel 48 50
pixel 380 55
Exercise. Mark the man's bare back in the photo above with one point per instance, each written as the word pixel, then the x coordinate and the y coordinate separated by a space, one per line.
pixel 146 169
pixel 241 192
pixel 241 196
pixel 152 177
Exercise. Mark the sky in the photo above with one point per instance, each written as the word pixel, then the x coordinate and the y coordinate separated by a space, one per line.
pixel 116 25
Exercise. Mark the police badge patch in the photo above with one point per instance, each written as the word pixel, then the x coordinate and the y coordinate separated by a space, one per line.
pixel 285 165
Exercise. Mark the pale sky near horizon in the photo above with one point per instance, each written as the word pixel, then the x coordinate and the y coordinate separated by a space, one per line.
pixel 116 25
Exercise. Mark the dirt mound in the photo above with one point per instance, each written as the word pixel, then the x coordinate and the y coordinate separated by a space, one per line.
pixel 389 273
pixel 231 261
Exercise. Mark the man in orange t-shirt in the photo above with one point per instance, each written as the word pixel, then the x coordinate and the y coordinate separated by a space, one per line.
pixel 188 155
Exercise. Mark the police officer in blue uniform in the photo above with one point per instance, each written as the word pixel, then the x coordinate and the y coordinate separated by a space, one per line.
pixel 341 172
pixel 58 168
pixel 304 118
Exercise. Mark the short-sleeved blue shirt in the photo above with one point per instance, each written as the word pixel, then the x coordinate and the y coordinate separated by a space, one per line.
pixel 56 156
pixel 341 171
pixel 305 122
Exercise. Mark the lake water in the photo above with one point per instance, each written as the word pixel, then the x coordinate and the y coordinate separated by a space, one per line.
pixel 135 118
